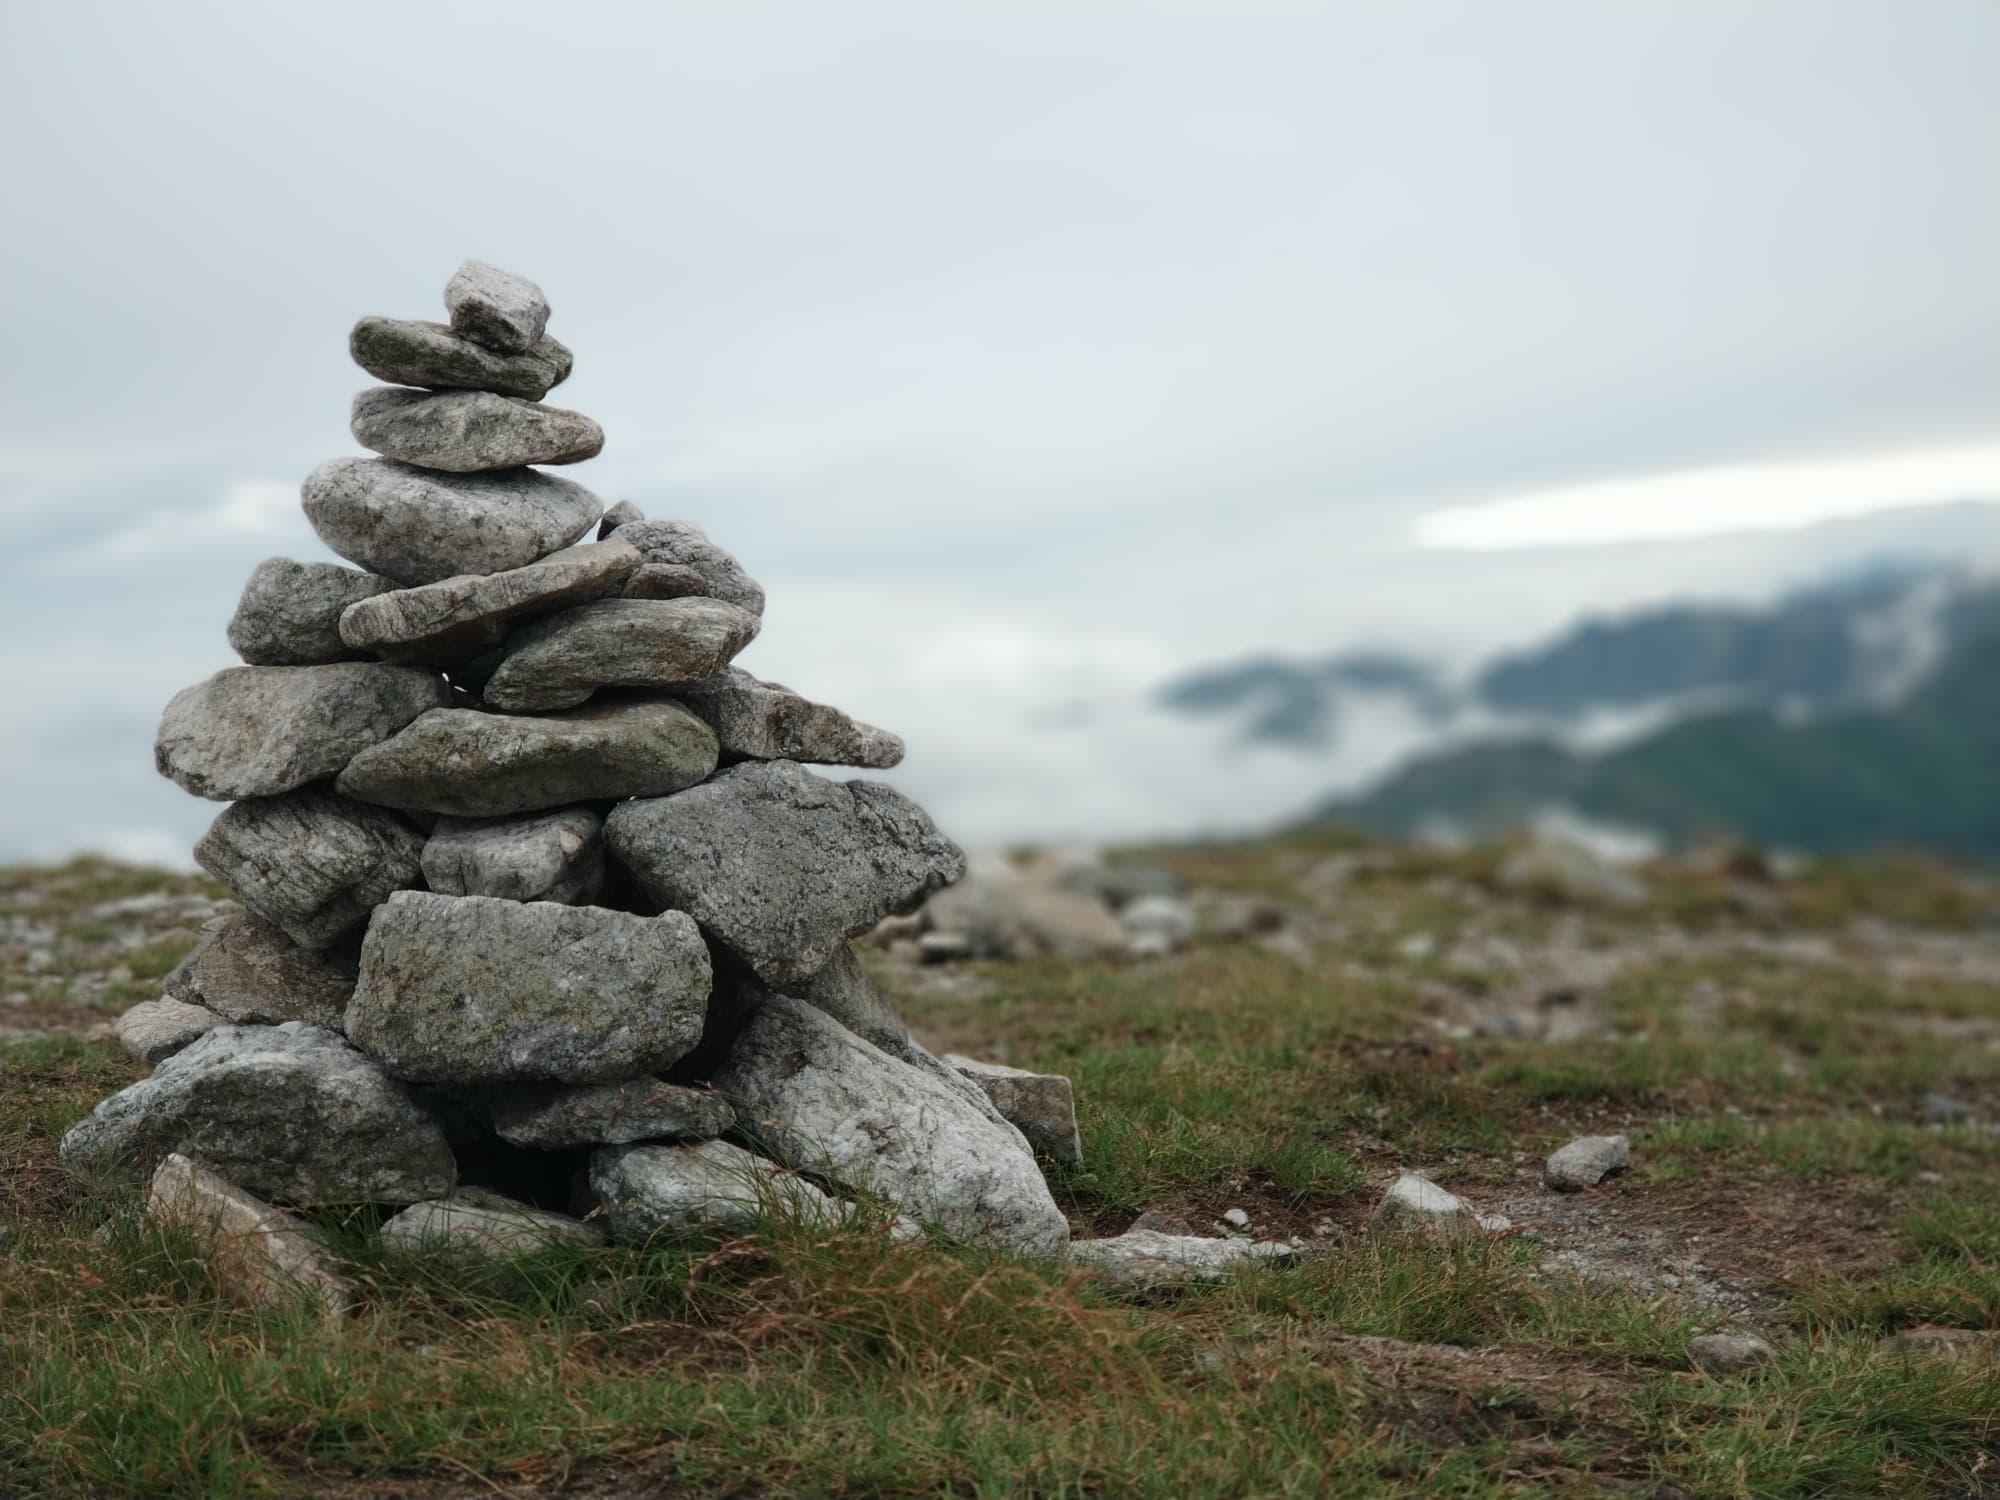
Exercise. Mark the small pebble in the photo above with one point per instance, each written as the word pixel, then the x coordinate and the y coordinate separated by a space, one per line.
pixel 1729 1353
pixel 1236 1218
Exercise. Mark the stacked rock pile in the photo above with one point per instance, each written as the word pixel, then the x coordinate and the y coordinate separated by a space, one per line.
pixel 541 908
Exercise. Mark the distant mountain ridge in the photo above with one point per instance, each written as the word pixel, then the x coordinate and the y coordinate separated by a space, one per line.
pixel 1860 712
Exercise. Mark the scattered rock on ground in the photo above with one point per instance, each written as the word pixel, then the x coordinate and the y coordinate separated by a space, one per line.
pixel 480 1225
pixel 1156 925
pixel 1587 1161
pixel 259 1256
pixel 1969 1344
pixel 1142 1258
pixel 1000 910
pixel 1729 1353
pixel 290 1112
pixel 1415 1201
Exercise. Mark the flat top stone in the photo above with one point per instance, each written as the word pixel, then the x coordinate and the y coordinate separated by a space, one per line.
pixel 560 661
pixel 476 990
pixel 260 731
pixel 415 526
pixel 466 432
pixel 455 619
pixel 781 865
pixel 505 312
pixel 405 352
pixel 289 614
pixel 470 763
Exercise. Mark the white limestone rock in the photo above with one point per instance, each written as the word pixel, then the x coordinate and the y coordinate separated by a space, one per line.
pixel 260 1256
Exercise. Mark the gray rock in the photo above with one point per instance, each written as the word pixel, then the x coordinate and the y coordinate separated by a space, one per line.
pixel 417 527
pixel 154 1030
pixel 845 991
pixel 1587 1161
pixel 261 731
pixel 474 990
pixel 257 1255
pixel 291 1112
pixel 1156 925
pixel 1141 1258
pixel 505 312
pixel 1001 910
pixel 474 765
pixel 781 865
pixel 289 615
pixel 1944 1109
pixel 610 1114
pixel 470 432
pixel 617 516
pixel 405 352
pixel 640 643
pixel 311 863
pixel 1972 1345
pixel 1729 1353
pixel 246 970
pixel 683 1192
pixel 822 1100
pixel 1042 1106
pixel 455 619
pixel 761 721
pixel 684 543
pixel 1414 1201
pixel 552 856
pixel 666 581
pixel 476 1225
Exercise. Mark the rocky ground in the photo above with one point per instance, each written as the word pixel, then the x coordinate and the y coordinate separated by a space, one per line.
pixel 1803 1060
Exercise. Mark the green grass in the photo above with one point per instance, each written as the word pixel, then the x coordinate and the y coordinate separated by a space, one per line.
pixel 1292 1086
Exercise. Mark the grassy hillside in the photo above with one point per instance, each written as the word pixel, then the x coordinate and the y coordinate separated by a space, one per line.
pixel 1809 1070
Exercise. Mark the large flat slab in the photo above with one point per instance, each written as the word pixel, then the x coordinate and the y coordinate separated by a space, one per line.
pixel 473 764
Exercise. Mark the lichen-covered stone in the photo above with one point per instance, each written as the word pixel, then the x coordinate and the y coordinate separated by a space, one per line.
pixel 558 662
pixel 291 1112
pixel 820 1099
pixel 154 1030
pixel 505 312
pixel 246 970
pixel 552 856
pixel 610 1114
pixel 470 432
pixel 414 526
pixel 473 990
pixel 780 865
pixel 1142 1258
pixel 1587 1161
pixel 456 619
pixel 685 1192
pixel 473 1224
pixel 683 543
pixel 407 352
pixel 473 765
pixel 261 731
pixel 257 1255
pixel 311 863
pixel 1042 1106
pixel 756 720
pixel 289 615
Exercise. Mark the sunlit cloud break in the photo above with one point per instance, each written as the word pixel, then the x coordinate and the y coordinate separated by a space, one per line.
pixel 1708 502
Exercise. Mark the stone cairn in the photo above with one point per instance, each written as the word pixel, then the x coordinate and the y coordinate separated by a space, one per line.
pixel 541 907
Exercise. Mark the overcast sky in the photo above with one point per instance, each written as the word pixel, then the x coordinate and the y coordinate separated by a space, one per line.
pixel 1025 352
